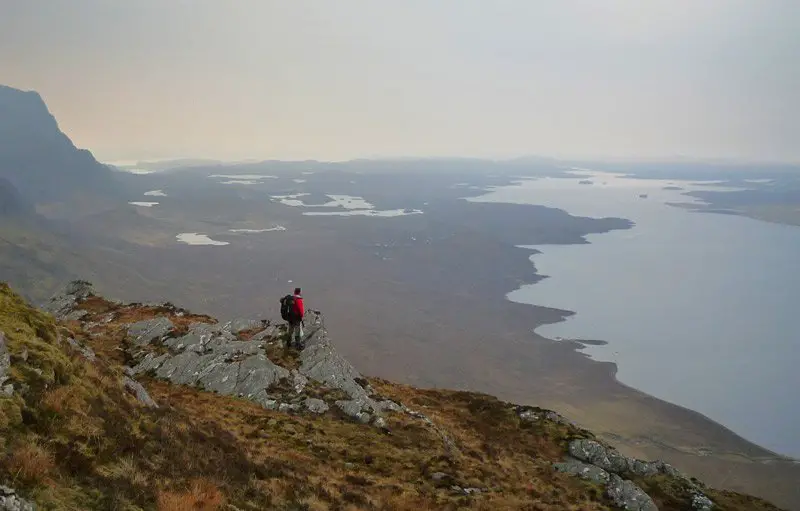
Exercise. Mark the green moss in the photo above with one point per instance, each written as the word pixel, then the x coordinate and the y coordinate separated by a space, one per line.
pixel 10 412
pixel 31 337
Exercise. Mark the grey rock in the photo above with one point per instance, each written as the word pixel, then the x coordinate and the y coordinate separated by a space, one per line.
pixel 583 470
pixel 151 362
pixel 10 501
pixel 666 468
pixel 440 476
pixel 85 351
pixel 380 423
pixel 643 468
pixel 75 315
pixel 80 289
pixel 528 415
pixel 627 495
pixel 595 453
pixel 8 390
pixel 701 503
pixel 64 302
pixel 136 388
pixel 558 418
pixel 144 332
pixel 5 359
pixel 351 408
pixel 268 333
pixel 472 491
pixel 258 373
pixel 299 381
pixel 386 405
pixel 240 325
pixel 315 405
pixel 269 404
pixel 319 360
pixel 288 407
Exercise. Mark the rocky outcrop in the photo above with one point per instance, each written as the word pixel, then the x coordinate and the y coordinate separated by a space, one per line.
pixel 627 495
pixel 10 501
pixel 62 305
pixel 209 357
pixel 598 463
pixel 320 361
pixel 144 332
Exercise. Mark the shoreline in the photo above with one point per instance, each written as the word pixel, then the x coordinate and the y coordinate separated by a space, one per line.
pixel 579 344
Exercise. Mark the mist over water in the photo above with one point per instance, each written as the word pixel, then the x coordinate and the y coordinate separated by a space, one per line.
pixel 698 309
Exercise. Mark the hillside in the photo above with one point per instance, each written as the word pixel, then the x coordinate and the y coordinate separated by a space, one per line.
pixel 11 202
pixel 148 406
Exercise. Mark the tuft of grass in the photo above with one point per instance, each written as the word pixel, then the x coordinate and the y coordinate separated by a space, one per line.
pixel 30 463
pixel 202 495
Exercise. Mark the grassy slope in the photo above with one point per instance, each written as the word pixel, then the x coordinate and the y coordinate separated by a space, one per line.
pixel 76 440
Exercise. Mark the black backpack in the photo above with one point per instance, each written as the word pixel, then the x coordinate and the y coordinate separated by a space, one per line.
pixel 287 308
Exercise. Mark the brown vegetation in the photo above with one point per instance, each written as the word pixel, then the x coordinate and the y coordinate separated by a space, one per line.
pixel 77 440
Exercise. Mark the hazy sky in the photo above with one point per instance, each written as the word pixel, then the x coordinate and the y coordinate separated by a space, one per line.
pixel 339 79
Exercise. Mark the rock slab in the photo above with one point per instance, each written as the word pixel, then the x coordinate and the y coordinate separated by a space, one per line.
pixel 10 501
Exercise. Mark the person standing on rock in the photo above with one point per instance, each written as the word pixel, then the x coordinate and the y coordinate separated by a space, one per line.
pixel 292 311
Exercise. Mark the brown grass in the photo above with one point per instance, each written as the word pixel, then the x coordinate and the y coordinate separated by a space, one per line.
pixel 31 463
pixel 202 451
pixel 202 495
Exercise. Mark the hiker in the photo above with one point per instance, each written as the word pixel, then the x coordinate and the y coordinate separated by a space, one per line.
pixel 292 311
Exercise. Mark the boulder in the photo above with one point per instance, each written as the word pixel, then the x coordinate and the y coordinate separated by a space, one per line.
pixel 315 405
pixel 63 303
pixel 701 503
pixel 144 332
pixel 628 496
pixel 597 454
pixel 10 501
pixel 584 471
pixel 299 381
pixel 136 388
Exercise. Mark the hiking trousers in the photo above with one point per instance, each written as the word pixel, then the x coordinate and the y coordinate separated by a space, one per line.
pixel 295 333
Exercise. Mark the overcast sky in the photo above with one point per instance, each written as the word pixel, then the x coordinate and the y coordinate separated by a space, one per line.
pixel 340 79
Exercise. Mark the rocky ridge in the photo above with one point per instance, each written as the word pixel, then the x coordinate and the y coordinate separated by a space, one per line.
pixel 270 427
pixel 231 359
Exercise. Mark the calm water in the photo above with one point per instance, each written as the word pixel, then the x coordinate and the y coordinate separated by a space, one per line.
pixel 698 309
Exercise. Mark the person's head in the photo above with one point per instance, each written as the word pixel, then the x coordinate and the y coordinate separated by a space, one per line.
pixel 297 290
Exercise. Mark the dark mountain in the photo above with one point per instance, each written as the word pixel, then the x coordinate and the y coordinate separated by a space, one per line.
pixel 39 159
pixel 11 202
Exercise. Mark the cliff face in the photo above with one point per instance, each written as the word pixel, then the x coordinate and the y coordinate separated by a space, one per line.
pixel 148 406
pixel 38 158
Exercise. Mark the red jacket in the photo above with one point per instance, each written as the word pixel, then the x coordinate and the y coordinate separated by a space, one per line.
pixel 299 309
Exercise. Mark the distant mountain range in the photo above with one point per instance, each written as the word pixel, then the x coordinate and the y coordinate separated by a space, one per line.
pixel 38 159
